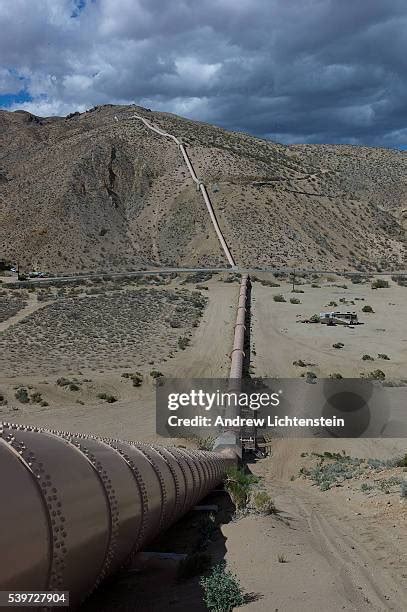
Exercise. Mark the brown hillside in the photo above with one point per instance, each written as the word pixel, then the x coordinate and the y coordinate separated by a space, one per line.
pixel 87 192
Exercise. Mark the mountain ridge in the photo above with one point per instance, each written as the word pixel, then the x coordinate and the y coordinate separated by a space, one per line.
pixel 88 192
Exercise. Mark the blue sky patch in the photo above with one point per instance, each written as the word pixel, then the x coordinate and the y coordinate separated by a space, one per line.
pixel 9 99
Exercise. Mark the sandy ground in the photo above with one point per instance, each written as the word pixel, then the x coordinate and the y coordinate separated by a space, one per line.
pixel 343 550
pixel 279 338
pixel 133 415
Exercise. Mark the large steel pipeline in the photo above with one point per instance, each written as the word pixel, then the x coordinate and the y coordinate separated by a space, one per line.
pixel 200 185
pixel 76 507
pixel 230 439
pixel 236 366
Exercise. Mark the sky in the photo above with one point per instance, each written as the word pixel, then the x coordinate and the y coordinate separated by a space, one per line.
pixel 313 71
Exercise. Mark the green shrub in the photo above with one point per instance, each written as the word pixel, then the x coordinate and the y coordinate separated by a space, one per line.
pixel 279 298
pixel 206 443
pixel 222 591
pixel 238 485
pixel 263 503
pixel 22 395
pixel 367 308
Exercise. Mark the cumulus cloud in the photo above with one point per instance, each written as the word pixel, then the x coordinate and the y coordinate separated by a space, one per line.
pixel 295 71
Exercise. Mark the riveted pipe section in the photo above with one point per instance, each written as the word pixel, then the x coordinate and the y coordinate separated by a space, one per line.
pixel 77 507
pixel 236 366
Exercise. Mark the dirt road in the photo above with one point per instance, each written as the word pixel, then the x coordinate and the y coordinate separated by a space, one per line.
pixel 341 551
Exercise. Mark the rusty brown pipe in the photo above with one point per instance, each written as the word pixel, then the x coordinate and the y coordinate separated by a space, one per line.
pixel 76 507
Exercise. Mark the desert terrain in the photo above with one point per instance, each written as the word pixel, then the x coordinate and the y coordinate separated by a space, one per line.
pixel 75 350
pixel 86 357
pixel 284 346
pixel 100 191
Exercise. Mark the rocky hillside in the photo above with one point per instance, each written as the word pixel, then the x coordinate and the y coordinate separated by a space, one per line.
pixel 99 191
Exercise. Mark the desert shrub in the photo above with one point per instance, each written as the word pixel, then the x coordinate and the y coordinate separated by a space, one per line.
pixel 156 374
pixel 338 345
pixel 183 342
pixel 110 399
pixel 366 487
pixel 315 318
pixel 269 283
pixel 315 286
pixel 367 357
pixel 238 484
pixel 300 363
pixel 383 356
pixel 380 283
pixel 326 475
pixel 281 558
pixel 73 386
pixel 403 489
pixel 222 591
pixel 367 308
pixel 295 301
pixel 194 565
pixel 174 323
pixel 63 382
pixel 36 397
pixel 22 395
pixel 137 379
pixel 402 461
pixel 377 375
pixel 336 375
pixel 206 443
pixel 279 298
pixel 263 503
pixel 3 401
pixel 334 304
pixel 310 376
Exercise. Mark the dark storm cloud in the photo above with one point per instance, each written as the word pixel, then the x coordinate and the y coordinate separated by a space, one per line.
pixel 294 70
